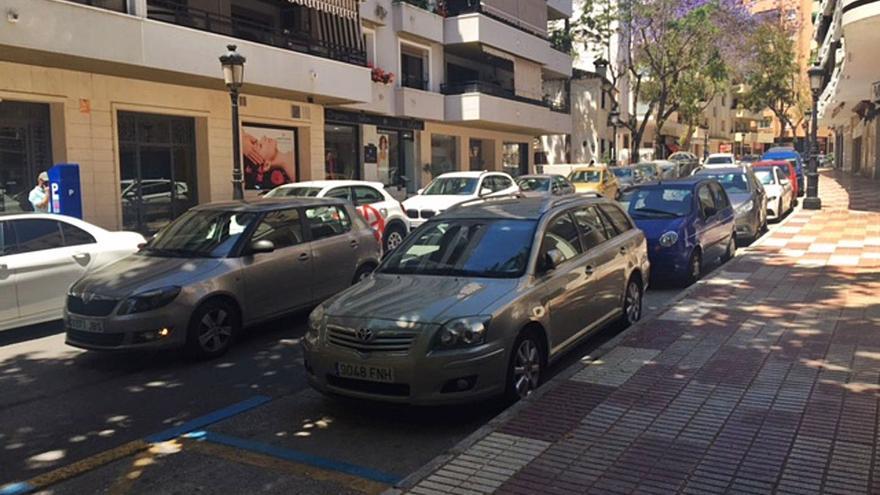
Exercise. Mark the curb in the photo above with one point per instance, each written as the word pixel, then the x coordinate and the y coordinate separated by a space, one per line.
pixel 423 472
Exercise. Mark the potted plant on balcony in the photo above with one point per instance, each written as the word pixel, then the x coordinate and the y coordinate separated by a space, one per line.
pixel 380 76
pixel 441 9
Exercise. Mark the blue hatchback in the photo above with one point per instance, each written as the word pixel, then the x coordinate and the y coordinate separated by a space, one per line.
pixel 791 156
pixel 687 222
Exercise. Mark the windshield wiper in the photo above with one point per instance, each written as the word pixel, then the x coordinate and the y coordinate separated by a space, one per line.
pixel 658 212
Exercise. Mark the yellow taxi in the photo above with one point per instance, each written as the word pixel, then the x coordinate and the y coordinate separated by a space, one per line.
pixel 595 179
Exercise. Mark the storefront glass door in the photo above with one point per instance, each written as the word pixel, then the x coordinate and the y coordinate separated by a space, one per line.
pixel 25 151
pixel 157 162
pixel 396 158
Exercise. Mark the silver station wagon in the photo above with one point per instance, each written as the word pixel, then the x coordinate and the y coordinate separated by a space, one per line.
pixel 479 300
pixel 218 268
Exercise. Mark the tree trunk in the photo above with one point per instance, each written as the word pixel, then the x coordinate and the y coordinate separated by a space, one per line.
pixel 686 142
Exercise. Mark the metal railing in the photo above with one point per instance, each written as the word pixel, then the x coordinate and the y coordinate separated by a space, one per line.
pixel 459 7
pixel 214 22
pixel 414 81
pixel 114 5
pixel 494 89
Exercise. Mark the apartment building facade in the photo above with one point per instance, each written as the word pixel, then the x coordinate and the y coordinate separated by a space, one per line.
pixel 391 91
pixel 847 32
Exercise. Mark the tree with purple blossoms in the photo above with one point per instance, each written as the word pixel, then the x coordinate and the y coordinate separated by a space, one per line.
pixel 674 54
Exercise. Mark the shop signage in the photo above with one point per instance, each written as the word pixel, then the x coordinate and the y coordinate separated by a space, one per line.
pixel 369 119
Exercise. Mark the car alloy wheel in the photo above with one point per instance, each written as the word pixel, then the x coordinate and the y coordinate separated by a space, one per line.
pixel 392 240
pixel 526 368
pixel 632 303
pixel 215 331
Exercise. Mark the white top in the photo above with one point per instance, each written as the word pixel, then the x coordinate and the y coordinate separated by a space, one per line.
pixel 37 196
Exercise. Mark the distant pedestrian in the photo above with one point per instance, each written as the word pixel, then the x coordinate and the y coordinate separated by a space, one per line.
pixel 39 195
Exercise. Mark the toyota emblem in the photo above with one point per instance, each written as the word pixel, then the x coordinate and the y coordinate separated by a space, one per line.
pixel 364 334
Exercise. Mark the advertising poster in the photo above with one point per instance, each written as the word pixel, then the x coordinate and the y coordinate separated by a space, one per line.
pixel 268 156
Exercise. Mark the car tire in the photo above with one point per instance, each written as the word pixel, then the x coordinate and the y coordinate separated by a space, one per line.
pixel 392 237
pixel 526 366
pixel 730 252
pixel 212 329
pixel 695 267
pixel 632 302
pixel 362 272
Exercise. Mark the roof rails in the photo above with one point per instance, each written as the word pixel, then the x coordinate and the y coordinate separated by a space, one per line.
pixel 485 199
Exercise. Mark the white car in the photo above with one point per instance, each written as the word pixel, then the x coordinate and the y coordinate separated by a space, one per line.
pixel 720 160
pixel 456 187
pixel 41 255
pixel 370 198
pixel 780 195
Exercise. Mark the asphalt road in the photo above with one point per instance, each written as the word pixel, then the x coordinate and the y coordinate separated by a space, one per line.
pixel 60 405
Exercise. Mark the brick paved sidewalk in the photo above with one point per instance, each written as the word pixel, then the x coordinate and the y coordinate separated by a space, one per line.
pixel 764 379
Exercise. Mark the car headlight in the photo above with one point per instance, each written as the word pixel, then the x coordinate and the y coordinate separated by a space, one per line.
pixel 745 207
pixel 668 239
pixel 462 332
pixel 316 324
pixel 149 300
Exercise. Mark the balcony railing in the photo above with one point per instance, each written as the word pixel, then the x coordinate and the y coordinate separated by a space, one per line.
pixel 183 15
pixel 414 81
pixel 494 89
pixel 459 7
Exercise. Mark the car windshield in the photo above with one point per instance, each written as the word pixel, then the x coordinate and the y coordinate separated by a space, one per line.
pixel 719 159
pixel 465 248
pixel 200 234
pixel 586 176
pixel 647 170
pixel 295 191
pixel 451 186
pixel 765 176
pixel 658 202
pixel 533 183
pixel 623 173
pixel 733 182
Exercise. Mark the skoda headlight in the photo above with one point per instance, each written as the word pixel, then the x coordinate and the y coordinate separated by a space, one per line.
pixel 745 207
pixel 148 300
pixel 668 239
pixel 462 332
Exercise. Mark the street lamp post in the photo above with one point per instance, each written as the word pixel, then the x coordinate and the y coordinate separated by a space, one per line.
pixel 232 63
pixel 812 201
pixel 706 144
pixel 614 118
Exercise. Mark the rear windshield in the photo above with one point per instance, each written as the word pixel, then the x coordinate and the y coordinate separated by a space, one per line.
pixel 657 202
pixel 296 192
pixel 586 176
pixel 765 176
pixel 623 173
pixel 719 159
pixel 733 182
pixel 533 183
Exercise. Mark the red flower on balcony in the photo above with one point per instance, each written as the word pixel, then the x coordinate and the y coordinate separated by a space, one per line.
pixel 381 76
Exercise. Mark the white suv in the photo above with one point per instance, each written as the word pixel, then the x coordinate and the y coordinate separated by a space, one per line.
pixel 368 197
pixel 720 160
pixel 453 188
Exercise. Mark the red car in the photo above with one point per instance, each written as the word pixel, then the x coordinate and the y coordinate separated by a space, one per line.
pixel 784 165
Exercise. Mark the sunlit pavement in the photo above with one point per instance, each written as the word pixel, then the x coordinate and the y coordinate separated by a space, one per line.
pixel 78 422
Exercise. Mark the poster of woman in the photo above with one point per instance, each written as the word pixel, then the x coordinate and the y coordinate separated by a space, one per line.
pixel 269 156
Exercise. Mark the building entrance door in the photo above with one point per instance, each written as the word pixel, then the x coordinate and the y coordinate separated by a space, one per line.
pixel 157 161
pixel 25 151
pixel 397 158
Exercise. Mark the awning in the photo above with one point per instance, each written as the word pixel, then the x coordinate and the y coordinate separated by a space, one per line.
pixel 341 8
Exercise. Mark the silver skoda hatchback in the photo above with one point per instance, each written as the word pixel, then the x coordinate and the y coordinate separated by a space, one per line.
pixel 218 268
pixel 479 300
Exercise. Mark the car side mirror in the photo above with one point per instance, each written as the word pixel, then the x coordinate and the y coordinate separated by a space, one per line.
pixel 552 259
pixel 420 191
pixel 485 191
pixel 262 246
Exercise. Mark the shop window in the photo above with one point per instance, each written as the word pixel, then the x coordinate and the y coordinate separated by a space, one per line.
pixel 341 159
pixel 514 158
pixel 25 151
pixel 444 154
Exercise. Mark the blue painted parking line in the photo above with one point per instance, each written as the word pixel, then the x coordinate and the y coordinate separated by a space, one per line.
pixel 208 419
pixel 16 488
pixel 301 457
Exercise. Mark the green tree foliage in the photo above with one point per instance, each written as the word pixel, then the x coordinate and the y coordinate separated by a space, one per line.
pixel 772 75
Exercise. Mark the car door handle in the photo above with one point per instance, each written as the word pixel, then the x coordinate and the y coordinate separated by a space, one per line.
pixel 588 270
pixel 622 249
pixel 82 258
pixel 303 257
pixel 354 244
